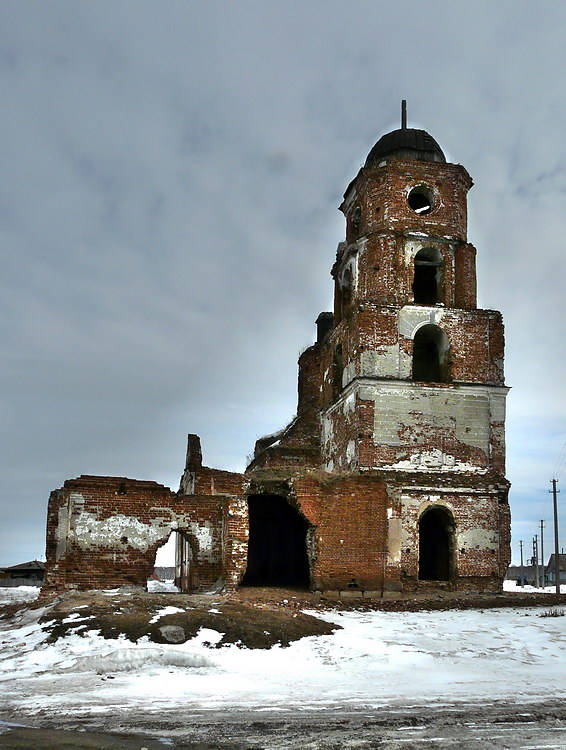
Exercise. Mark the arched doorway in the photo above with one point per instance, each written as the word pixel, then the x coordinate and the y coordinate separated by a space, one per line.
pixel 436 544
pixel 277 549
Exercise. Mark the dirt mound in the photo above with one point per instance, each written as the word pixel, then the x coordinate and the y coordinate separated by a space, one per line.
pixel 176 618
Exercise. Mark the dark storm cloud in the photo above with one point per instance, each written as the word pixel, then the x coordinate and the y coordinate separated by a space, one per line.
pixel 168 217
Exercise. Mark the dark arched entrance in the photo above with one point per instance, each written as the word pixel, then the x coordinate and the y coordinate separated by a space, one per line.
pixel 436 545
pixel 277 549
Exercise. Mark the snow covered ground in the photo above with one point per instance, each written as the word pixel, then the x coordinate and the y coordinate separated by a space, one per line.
pixel 13 594
pixel 511 587
pixel 377 659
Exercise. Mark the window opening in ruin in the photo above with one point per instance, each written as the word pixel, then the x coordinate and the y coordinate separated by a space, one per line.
pixel 346 289
pixel 337 370
pixel 356 218
pixel 277 545
pixel 430 355
pixel 428 276
pixel 436 545
pixel 420 200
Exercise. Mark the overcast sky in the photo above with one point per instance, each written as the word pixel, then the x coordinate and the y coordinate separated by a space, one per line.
pixel 168 216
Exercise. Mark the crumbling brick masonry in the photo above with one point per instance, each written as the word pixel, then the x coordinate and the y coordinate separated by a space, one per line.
pixel 391 477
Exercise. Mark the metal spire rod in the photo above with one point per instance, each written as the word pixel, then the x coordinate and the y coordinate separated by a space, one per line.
pixel 403 114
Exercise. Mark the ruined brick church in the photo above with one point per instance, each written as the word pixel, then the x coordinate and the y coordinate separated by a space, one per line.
pixel 391 476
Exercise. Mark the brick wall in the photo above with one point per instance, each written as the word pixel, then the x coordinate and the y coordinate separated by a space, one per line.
pixel 104 532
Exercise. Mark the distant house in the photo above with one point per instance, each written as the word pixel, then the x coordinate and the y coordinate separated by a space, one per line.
pixel 514 574
pixel 25 574
pixel 549 571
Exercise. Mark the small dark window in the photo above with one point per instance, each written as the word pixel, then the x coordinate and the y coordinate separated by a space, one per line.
pixel 428 276
pixel 337 370
pixel 346 292
pixel 420 199
pixel 356 218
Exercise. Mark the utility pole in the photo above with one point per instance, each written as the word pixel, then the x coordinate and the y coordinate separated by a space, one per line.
pixel 535 559
pixel 556 557
pixel 542 552
pixel 522 571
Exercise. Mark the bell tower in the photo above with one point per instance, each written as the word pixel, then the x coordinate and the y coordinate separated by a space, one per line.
pixel 414 388
pixel 410 338
pixel 397 452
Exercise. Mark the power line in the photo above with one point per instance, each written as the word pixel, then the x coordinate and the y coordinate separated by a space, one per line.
pixel 561 460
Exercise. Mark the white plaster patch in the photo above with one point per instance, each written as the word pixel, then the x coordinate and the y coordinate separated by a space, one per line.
pixel 327 432
pixel 411 318
pixel 350 451
pixel 435 460
pixel 88 532
pixel 62 532
pixel 188 481
pixel 348 374
pixel 381 362
pixel 238 507
pixel 203 535
pixel 349 404
pixel 394 540
pixel 410 411
pixel 478 539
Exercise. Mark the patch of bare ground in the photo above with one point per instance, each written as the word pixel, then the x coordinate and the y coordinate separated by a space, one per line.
pixel 248 623
pixel 394 602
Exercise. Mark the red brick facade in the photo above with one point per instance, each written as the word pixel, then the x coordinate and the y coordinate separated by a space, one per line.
pixel 391 477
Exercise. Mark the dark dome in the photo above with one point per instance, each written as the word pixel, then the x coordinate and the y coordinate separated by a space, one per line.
pixel 406 143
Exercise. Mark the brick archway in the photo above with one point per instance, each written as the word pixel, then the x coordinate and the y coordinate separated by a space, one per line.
pixel 277 549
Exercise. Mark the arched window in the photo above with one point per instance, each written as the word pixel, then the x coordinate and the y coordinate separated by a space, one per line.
pixel 346 287
pixel 427 283
pixel 430 355
pixel 356 218
pixel 436 544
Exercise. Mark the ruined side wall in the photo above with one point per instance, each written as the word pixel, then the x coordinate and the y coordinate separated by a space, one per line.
pixel 104 532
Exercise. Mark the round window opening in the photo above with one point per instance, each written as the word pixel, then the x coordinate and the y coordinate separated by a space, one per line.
pixel 420 200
